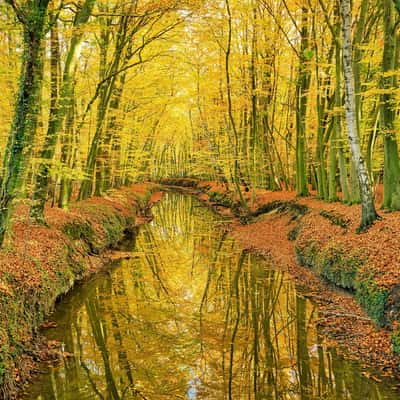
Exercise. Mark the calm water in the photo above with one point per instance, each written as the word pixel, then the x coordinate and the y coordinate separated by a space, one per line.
pixel 190 316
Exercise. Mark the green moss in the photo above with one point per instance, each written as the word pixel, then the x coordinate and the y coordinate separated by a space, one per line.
pixel 340 268
pixel 114 231
pixel 221 198
pixel 336 219
pixel 395 206
pixel 294 233
pixel 183 182
pixel 334 264
pixel 344 270
pixel 306 255
pixel 3 368
pixel 77 230
pixel 76 265
pixel 395 338
pixel 372 297
pixel 295 209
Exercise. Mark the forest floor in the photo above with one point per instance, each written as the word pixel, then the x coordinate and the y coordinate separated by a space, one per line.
pixel 358 296
pixel 41 263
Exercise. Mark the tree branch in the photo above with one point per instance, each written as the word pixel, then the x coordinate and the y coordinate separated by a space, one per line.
pixel 17 10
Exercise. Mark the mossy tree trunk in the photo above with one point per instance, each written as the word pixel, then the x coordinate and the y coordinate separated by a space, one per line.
pixel 19 147
pixel 303 86
pixel 69 149
pixel 391 181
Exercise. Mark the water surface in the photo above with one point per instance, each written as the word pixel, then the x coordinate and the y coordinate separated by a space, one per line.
pixel 190 316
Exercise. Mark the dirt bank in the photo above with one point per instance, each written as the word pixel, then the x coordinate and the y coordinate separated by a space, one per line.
pixel 312 239
pixel 42 263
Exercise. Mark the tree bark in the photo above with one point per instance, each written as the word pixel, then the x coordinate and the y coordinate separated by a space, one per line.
pixel 391 180
pixel 23 130
pixel 369 214
pixel 303 85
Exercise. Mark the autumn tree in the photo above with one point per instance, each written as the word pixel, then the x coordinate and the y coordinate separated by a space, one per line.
pixel 369 214
pixel 32 15
pixel 391 182
pixel 61 99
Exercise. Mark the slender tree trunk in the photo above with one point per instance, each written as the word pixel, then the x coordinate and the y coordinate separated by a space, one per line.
pixel 69 143
pixel 102 109
pixel 323 105
pixel 303 86
pixel 254 133
pixel 336 141
pixel 104 164
pixel 41 186
pixel 358 54
pixel 232 123
pixel 369 214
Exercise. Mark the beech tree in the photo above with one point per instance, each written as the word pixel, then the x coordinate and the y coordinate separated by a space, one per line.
pixel 391 182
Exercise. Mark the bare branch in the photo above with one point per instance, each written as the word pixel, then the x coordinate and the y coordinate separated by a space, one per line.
pixel 17 10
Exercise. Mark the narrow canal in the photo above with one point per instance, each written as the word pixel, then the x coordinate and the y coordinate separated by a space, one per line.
pixel 190 316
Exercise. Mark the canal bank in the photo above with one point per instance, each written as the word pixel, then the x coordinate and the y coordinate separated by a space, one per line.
pixel 44 262
pixel 189 314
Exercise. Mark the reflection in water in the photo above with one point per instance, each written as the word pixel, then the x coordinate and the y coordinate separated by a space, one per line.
pixel 190 316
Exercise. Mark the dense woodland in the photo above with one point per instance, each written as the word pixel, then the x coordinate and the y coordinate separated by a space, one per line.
pixel 284 95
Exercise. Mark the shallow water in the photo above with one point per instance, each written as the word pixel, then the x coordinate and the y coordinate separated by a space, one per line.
pixel 190 316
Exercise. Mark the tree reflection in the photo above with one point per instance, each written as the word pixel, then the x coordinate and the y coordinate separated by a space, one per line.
pixel 192 317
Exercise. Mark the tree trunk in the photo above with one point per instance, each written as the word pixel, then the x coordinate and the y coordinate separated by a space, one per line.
pixel 23 130
pixel 112 132
pixel 69 147
pixel 337 141
pixel 391 180
pixel 232 123
pixel 303 86
pixel 369 214
pixel 358 54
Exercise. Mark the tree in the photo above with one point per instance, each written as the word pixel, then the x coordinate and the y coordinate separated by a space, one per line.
pixel 391 181
pixel 32 16
pixel 303 85
pixel 130 26
pixel 59 107
pixel 369 214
